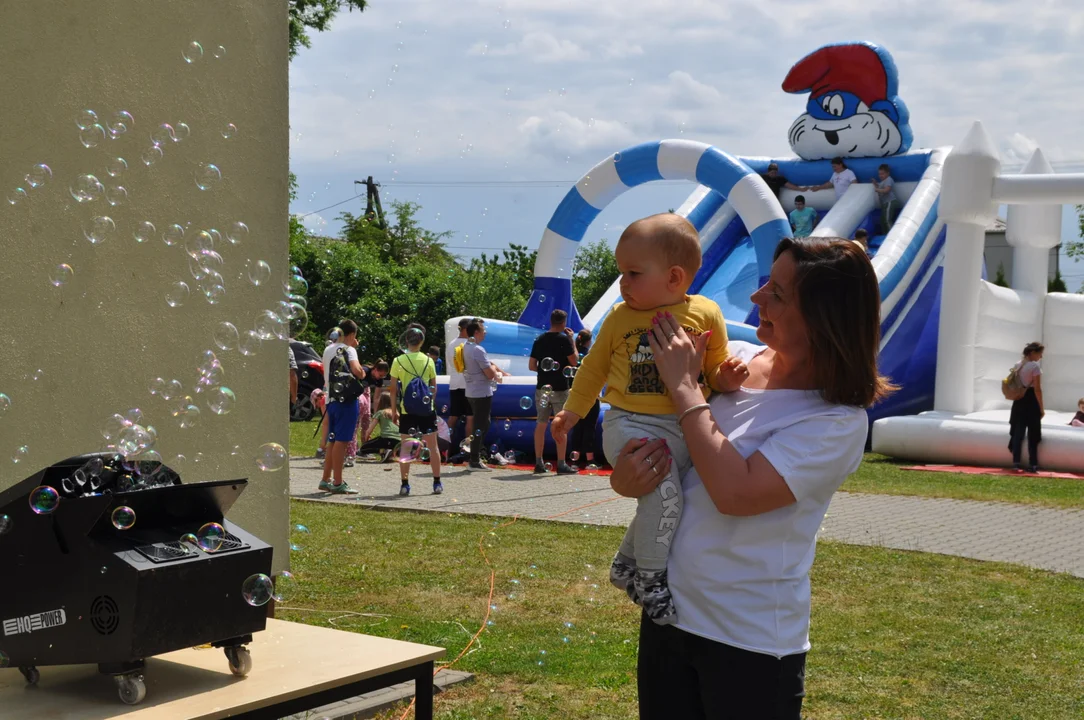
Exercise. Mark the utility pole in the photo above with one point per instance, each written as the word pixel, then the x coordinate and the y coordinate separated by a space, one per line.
pixel 374 212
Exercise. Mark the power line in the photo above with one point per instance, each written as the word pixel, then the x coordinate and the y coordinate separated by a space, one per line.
pixel 313 212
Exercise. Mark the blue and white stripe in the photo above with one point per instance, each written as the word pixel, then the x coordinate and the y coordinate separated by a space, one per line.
pixel 732 181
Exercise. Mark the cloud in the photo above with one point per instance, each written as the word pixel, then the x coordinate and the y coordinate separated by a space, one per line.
pixel 541 47
pixel 557 133
pixel 1018 148
pixel 619 49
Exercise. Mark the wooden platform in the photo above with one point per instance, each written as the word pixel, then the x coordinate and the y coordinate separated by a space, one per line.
pixel 295 667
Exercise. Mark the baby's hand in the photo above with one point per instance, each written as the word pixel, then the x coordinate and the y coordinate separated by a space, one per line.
pixel 732 373
pixel 562 422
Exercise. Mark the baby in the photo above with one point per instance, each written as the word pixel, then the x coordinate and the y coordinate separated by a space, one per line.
pixel 658 257
pixel 1078 419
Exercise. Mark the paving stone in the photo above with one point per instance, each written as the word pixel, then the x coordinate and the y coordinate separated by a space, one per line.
pixel 1045 538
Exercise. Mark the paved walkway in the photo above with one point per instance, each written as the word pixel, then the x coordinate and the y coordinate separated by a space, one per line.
pixel 1037 537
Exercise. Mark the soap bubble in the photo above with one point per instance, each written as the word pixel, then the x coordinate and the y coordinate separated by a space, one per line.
pixel 5 528
pixel 408 450
pixel 85 119
pixel 177 294
pixel 226 336
pixel 229 131
pixel 249 344
pixel 193 52
pixel 5 403
pixel 121 122
pixel 285 586
pixel 301 528
pixel 181 132
pixel 116 195
pixel 151 155
pixel 259 272
pixel 271 457
pixel 198 243
pixel 16 196
pixel 298 285
pixel 99 229
pixel 257 590
pixel 92 136
pixel 221 400
pixel 173 235
pixel 189 418
pixel 569 371
pixel 525 402
pixel 86 188
pixel 38 175
pixel 44 500
pixel 207 176
pixel 237 233
pixel 61 274
pixel 270 326
pixel 592 469
pixel 163 134
pixel 124 518
pixel 541 298
pixel 144 231
pixel 190 539
pixel 549 364
pixel 211 536
pixel 574 456
pixel 219 52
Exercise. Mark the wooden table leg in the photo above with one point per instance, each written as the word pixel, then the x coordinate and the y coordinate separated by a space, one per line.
pixel 423 692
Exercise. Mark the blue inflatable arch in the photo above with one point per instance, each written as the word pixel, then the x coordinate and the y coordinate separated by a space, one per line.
pixel 746 192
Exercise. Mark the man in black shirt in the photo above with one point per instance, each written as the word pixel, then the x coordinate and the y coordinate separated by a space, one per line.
pixel 552 352
pixel 776 181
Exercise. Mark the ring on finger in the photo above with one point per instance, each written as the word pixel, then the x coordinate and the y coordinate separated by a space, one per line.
pixel 654 470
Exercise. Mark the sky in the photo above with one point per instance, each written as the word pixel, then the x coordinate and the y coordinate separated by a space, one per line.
pixel 485 112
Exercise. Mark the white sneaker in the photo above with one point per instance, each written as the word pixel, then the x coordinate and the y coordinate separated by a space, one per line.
pixel 499 459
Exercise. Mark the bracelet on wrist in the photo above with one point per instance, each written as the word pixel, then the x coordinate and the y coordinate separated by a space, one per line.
pixel 694 408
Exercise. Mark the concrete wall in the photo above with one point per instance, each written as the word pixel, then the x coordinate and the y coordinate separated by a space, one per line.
pixel 999 252
pixel 101 338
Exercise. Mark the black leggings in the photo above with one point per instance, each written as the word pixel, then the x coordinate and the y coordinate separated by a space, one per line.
pixel 583 433
pixel 1026 418
pixel 378 443
pixel 481 407
pixel 681 675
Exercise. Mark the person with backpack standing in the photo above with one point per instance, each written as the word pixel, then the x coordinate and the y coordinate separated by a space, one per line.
pixel 458 406
pixel 412 396
pixel 343 376
pixel 1027 412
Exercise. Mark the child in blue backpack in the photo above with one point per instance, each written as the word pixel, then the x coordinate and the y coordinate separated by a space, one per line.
pixel 412 395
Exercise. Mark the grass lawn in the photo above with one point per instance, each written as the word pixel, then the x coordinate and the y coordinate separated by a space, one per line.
pixel 895 634
pixel 880 474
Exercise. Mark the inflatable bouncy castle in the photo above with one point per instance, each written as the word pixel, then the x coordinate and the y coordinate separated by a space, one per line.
pixel 948 336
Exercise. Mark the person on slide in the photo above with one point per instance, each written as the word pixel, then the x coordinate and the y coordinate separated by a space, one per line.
pixel 658 257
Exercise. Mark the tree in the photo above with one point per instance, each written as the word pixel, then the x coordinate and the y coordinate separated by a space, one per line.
pixel 1056 283
pixel 315 14
pixel 520 261
pixel 999 279
pixel 403 242
pixel 596 270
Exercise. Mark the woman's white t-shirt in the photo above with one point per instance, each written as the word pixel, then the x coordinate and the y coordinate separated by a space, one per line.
pixel 1028 371
pixel 744 581
pixel 842 180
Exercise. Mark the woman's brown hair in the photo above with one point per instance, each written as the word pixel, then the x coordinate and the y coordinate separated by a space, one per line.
pixel 383 402
pixel 840 301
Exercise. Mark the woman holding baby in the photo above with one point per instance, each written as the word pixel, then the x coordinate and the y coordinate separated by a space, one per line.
pixel 767 459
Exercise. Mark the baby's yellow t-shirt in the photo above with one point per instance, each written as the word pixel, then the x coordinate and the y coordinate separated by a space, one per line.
pixel 621 358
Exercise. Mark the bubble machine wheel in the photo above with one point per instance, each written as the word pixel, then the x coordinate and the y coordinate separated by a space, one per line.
pixel 103 570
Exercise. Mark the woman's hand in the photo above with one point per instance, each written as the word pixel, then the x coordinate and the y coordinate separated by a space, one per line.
pixel 640 467
pixel 677 356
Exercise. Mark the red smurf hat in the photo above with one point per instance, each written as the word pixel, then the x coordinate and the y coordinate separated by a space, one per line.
pixel 854 68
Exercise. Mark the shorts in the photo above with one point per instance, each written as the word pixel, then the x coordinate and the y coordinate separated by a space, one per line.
pixel 459 406
pixel 342 420
pixel 410 424
pixel 554 405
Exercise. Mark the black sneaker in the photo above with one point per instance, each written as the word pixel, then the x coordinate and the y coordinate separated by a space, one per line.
pixel 563 469
pixel 539 467
pixel 479 466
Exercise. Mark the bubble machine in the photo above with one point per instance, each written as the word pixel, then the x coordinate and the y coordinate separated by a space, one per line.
pixel 79 589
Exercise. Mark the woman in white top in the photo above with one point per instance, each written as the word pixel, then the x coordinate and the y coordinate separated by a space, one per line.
pixel 1027 413
pixel 842 177
pixel 767 460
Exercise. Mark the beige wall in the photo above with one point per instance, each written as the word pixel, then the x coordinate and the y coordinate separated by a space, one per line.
pixel 100 339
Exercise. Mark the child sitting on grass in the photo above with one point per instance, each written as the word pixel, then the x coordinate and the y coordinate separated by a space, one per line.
pixel 658 257
pixel 383 432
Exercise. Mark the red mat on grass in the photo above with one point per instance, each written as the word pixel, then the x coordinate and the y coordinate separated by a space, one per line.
pixel 972 470
pixel 602 470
